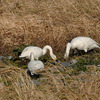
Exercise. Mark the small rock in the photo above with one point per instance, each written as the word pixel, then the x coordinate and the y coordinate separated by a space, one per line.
pixel 1 57
pixel 98 6
pixel 42 79
pixel 74 61
pixel 96 58
pixel 2 85
pixel 10 57
pixel 81 72
pixel 84 80
pixel 61 69
pixel 98 65
pixel 66 64
pixel 93 73
pixel 53 70
pixel 36 82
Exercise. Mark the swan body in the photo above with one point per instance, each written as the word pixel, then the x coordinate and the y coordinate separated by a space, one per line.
pixel 81 43
pixel 38 52
pixel 34 65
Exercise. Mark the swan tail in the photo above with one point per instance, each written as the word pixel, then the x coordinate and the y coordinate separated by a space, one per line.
pixel 21 56
pixel 98 47
pixel 25 52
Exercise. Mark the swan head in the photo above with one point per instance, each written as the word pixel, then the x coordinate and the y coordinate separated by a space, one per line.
pixel 51 52
pixel 65 56
pixel 53 57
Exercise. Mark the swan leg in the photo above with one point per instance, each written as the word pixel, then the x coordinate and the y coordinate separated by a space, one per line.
pixel 32 73
pixel 66 55
pixel 85 50
pixel 36 58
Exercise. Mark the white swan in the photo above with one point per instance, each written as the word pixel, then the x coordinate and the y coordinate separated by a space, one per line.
pixel 38 52
pixel 34 65
pixel 81 43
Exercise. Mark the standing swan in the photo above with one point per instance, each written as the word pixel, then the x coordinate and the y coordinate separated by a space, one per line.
pixel 38 52
pixel 81 43
pixel 33 65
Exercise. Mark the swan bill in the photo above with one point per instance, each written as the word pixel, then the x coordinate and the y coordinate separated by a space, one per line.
pixel 55 59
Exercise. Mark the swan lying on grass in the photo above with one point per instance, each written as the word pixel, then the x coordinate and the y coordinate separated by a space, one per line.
pixel 38 52
pixel 81 43
pixel 34 65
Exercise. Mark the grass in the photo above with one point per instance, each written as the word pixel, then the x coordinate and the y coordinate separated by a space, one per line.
pixel 52 22
pixel 53 85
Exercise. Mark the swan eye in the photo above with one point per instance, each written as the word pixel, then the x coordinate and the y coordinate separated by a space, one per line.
pixel 55 59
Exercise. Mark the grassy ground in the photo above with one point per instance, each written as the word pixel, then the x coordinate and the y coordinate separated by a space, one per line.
pixel 53 22
pixel 54 84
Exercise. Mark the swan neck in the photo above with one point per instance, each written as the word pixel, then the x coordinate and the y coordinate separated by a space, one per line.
pixel 32 56
pixel 68 48
pixel 47 47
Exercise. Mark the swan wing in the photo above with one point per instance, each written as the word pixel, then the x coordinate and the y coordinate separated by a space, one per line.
pixel 78 43
pixel 26 51
pixel 36 50
pixel 82 43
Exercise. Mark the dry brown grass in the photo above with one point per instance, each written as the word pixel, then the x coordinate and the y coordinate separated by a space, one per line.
pixel 57 85
pixel 53 22
pixel 41 22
